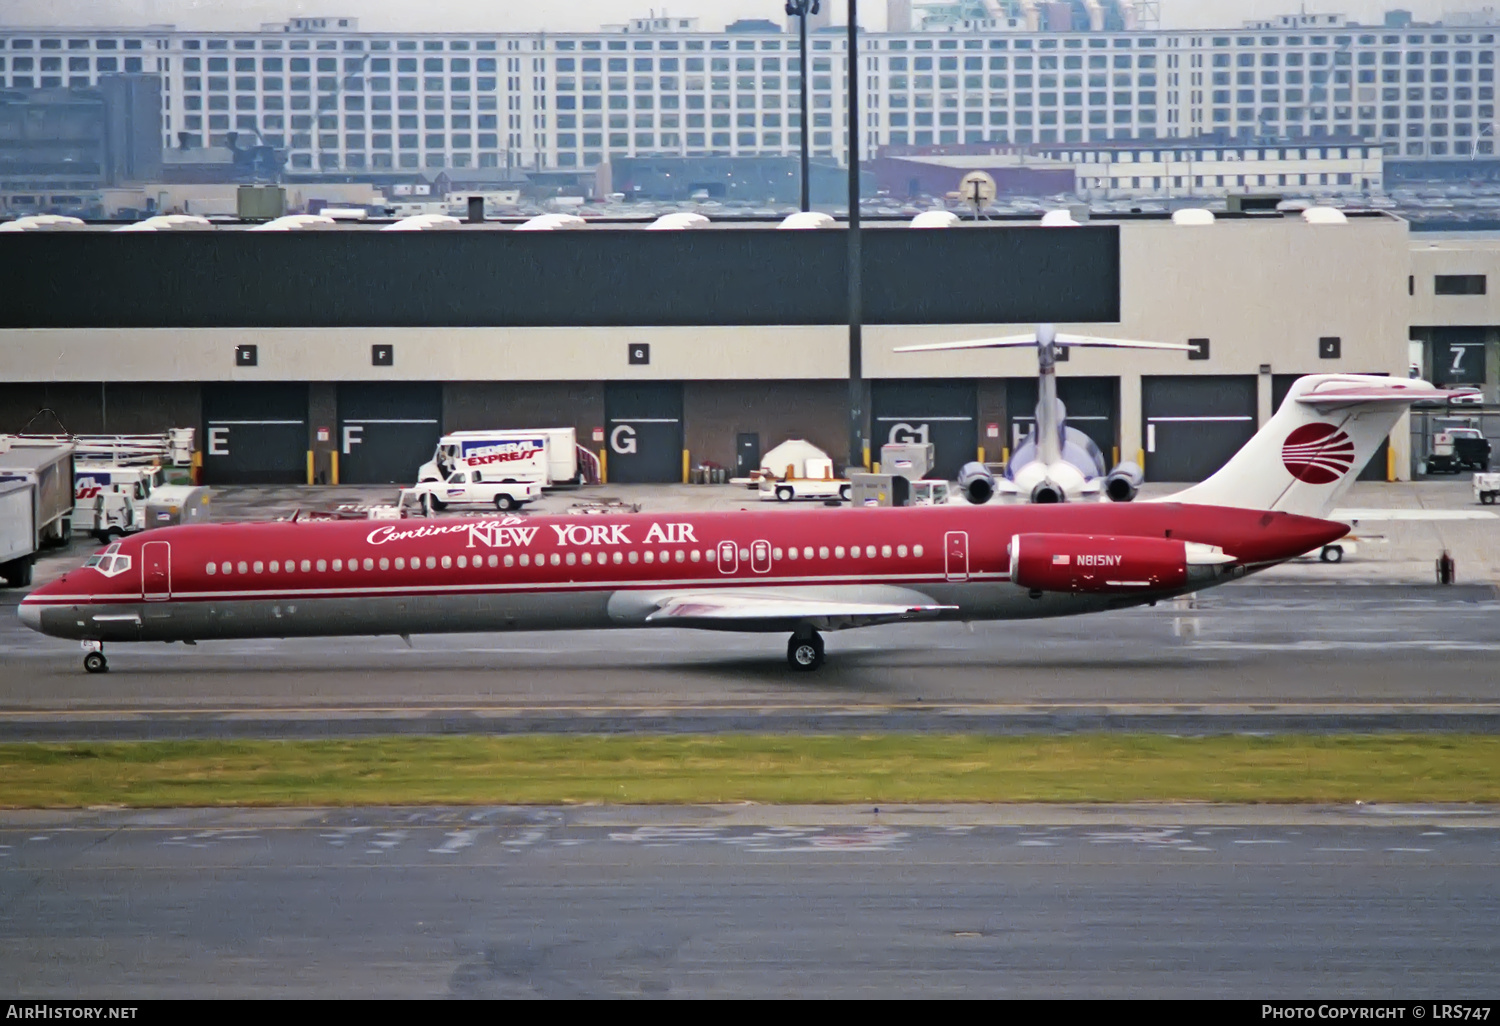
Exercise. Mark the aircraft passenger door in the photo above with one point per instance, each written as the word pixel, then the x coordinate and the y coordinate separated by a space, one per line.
pixel 729 557
pixel 156 571
pixel 956 555
pixel 760 557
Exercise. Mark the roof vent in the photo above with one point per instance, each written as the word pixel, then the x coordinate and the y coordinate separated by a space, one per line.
pixel 1192 216
pixel 1324 215
pixel 41 222
pixel 168 223
pixel 807 219
pixel 677 221
pixel 1245 203
pixel 294 223
pixel 935 219
pixel 421 223
pixel 551 223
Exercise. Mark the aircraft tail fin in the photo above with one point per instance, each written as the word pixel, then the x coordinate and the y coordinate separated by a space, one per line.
pixel 1309 453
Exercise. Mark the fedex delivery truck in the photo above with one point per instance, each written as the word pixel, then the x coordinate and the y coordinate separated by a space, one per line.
pixel 548 456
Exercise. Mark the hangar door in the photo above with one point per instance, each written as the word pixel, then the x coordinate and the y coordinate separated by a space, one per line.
pixel 1191 425
pixel 945 413
pixel 255 433
pixel 1093 407
pixel 1458 355
pixel 643 431
pixel 1375 470
pixel 387 430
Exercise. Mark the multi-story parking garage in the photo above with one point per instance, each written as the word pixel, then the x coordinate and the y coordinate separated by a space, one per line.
pixel 716 342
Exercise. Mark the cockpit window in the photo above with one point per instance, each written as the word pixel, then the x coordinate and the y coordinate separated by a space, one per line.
pixel 112 549
pixel 109 565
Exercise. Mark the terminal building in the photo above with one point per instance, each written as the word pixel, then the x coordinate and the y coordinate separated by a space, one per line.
pixel 336 97
pixel 335 355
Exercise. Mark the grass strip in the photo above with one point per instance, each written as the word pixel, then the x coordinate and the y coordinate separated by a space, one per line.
pixel 773 769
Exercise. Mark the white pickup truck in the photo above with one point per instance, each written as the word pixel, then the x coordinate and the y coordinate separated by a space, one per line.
pixel 469 487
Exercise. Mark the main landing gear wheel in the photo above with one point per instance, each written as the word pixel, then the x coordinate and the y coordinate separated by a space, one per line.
pixel 94 662
pixel 805 652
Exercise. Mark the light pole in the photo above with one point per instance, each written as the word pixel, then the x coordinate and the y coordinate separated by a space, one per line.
pixel 856 345
pixel 800 9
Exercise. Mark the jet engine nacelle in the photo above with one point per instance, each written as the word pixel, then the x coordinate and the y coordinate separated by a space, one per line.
pixel 1124 482
pixel 1047 492
pixel 977 483
pixel 1096 564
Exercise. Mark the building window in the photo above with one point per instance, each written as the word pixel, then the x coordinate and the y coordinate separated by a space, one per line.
pixel 1458 285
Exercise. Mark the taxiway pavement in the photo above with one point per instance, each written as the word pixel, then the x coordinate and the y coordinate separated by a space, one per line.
pixel 1031 902
pixel 1238 658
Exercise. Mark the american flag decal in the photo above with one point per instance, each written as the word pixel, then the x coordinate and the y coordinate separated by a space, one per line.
pixel 1059 560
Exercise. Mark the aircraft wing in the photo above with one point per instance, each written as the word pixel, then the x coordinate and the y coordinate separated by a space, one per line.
pixel 729 610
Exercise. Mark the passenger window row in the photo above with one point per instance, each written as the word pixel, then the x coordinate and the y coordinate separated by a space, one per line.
pixel 853 552
pixel 555 559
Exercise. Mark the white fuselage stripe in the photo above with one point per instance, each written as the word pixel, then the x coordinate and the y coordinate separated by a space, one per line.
pixel 537 586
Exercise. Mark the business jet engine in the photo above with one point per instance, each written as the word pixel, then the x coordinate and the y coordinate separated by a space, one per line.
pixel 977 483
pixel 1105 565
pixel 1124 482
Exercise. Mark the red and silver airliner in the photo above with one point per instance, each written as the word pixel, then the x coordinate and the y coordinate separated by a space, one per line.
pixel 798 572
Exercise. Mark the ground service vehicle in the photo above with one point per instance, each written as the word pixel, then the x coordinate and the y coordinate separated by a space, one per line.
pixel 472 487
pixel 818 484
pixel 18 534
pixel 547 455
pixel 49 466
pixel 109 499
pixel 1458 449
pixel 1486 488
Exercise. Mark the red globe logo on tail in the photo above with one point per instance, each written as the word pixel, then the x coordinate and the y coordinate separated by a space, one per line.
pixel 1318 454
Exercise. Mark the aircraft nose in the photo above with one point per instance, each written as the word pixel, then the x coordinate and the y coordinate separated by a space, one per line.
pixel 31 614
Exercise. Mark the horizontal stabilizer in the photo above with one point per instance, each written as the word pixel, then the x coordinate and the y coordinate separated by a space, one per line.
pixel 1335 394
pixel 1351 516
pixel 999 342
pixel 1058 339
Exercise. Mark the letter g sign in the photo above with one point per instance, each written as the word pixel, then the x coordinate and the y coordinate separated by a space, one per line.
pixel 622 439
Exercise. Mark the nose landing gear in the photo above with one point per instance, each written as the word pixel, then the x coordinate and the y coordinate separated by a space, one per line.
pixel 805 651
pixel 93 660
